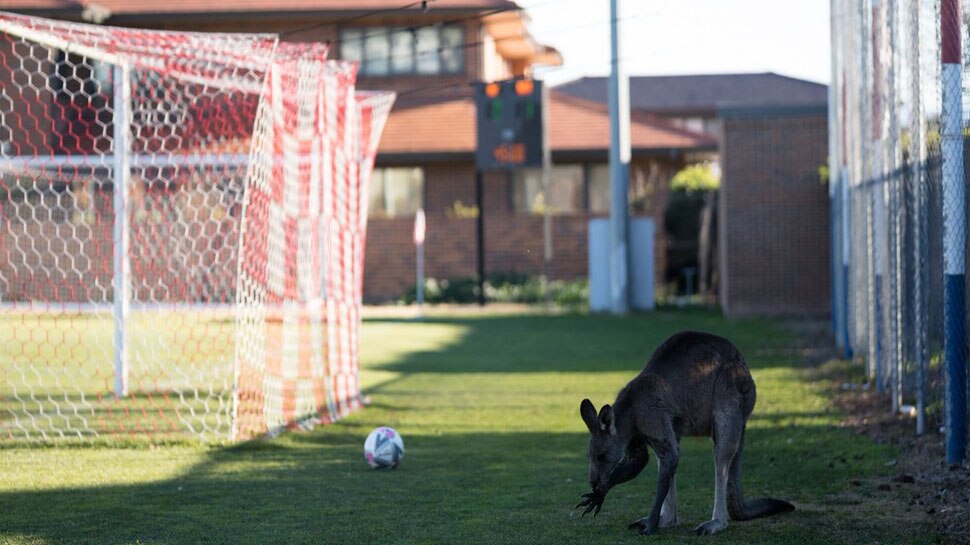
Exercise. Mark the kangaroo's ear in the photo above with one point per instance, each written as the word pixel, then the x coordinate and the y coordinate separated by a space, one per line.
pixel 588 412
pixel 606 423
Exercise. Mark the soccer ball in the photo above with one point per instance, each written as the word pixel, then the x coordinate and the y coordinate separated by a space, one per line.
pixel 384 448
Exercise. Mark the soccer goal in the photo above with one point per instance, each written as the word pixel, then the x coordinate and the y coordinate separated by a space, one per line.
pixel 182 228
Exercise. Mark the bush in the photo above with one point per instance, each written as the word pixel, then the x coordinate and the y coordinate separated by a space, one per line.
pixel 501 288
pixel 454 290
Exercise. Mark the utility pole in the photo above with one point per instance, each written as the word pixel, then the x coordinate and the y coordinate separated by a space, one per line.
pixel 619 103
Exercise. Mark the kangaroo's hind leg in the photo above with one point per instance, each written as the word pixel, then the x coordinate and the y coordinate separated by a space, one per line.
pixel 728 430
pixel 735 499
pixel 668 513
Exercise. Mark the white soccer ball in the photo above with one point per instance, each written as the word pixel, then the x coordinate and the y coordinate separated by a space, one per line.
pixel 384 448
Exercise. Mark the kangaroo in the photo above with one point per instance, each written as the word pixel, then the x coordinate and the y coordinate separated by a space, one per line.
pixel 694 384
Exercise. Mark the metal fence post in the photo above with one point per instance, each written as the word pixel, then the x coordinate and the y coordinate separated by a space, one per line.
pixel 954 232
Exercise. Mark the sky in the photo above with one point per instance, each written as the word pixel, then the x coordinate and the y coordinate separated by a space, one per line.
pixel 671 37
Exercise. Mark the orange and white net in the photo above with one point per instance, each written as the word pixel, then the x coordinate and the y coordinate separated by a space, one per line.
pixel 223 299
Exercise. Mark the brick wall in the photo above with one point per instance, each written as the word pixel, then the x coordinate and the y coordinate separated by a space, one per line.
pixel 774 215
pixel 513 241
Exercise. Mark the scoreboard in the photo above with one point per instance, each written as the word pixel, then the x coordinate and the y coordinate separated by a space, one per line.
pixel 510 124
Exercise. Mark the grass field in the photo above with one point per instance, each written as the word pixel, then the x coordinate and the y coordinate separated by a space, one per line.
pixel 180 379
pixel 488 407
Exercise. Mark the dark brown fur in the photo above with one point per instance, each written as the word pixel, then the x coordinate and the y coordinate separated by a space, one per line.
pixel 694 384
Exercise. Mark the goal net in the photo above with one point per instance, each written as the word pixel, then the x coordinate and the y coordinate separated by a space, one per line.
pixel 182 228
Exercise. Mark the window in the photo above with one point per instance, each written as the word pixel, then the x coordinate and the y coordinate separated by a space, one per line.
pixel 581 188
pixel 566 191
pixel 402 52
pixel 599 188
pixel 351 48
pixel 452 53
pixel 377 53
pixel 384 51
pixel 396 192
pixel 428 45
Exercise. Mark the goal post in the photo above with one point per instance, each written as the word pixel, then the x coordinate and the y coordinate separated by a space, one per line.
pixel 120 240
pixel 182 221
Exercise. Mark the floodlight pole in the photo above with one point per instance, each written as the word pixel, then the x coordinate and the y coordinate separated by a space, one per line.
pixel 619 104
pixel 121 231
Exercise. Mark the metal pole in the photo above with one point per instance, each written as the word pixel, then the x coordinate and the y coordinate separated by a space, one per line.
pixel 879 195
pixel 865 190
pixel 546 213
pixel 419 231
pixel 480 223
pixel 917 160
pixel 619 106
pixel 846 256
pixel 121 231
pixel 833 164
pixel 954 233
pixel 844 118
pixel 420 279
pixel 893 185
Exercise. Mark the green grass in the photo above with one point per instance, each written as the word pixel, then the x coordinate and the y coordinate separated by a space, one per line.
pixel 488 407
pixel 180 377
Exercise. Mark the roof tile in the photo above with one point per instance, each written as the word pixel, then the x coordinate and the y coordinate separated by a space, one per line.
pixel 231 6
pixel 575 124
pixel 706 93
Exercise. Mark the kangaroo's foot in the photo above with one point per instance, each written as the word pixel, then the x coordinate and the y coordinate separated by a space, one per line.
pixel 644 526
pixel 710 527
pixel 668 520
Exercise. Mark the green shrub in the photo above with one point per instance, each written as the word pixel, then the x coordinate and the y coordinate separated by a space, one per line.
pixel 501 288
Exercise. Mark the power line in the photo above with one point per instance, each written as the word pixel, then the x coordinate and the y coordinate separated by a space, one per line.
pixel 467 45
pixel 412 28
pixel 422 3
pixel 416 90
pixel 442 87
pixel 463 46
pixel 434 88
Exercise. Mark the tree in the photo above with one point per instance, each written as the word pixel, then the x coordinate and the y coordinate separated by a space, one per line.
pixel 702 178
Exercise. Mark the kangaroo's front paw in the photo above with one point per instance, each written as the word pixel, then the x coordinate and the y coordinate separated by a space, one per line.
pixel 644 526
pixel 710 527
pixel 592 501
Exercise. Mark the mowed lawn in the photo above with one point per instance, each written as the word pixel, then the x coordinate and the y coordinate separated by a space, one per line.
pixel 488 407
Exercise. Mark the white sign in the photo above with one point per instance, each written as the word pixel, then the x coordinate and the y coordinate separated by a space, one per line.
pixel 419 227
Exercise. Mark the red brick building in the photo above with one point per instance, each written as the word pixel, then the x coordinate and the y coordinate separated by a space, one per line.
pixel 773 209
pixel 431 57
pixel 775 229
pixel 578 133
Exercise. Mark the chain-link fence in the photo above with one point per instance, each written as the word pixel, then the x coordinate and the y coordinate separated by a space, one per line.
pixel 897 125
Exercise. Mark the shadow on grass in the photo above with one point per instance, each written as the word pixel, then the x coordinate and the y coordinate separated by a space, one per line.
pixel 479 487
pixel 578 343
pixel 487 488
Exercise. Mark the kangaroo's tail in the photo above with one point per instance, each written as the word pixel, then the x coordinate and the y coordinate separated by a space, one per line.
pixel 757 507
pixel 742 509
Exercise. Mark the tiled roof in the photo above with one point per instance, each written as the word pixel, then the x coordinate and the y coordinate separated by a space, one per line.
pixel 448 127
pixel 706 93
pixel 242 6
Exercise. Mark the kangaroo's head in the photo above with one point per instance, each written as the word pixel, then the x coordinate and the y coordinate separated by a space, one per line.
pixel 606 449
